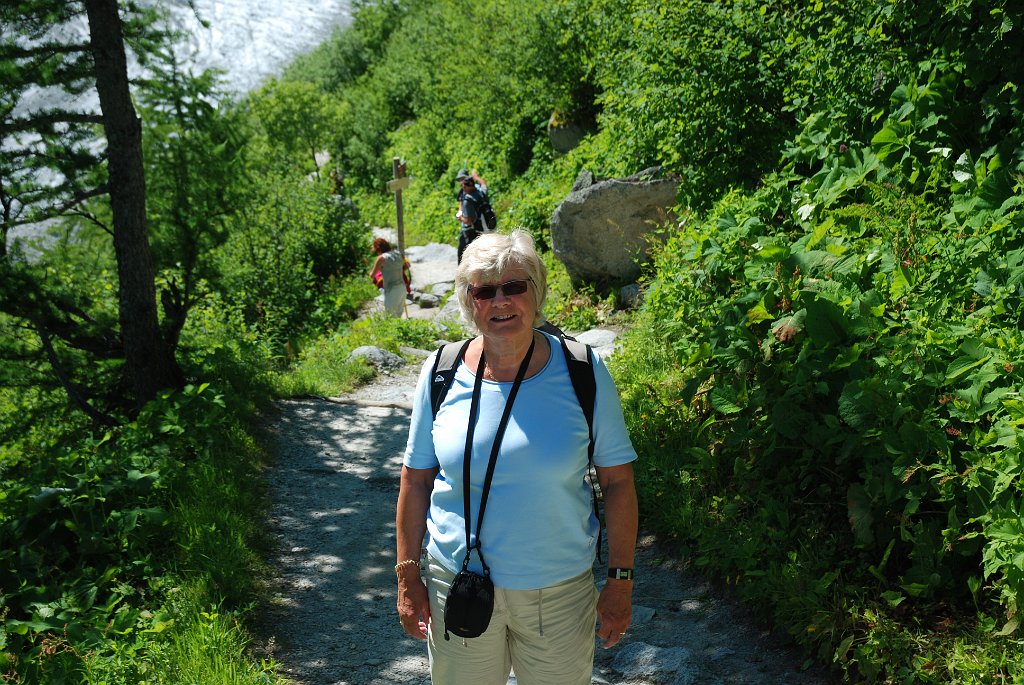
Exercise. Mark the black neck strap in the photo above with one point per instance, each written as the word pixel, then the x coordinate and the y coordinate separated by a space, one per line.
pixel 473 411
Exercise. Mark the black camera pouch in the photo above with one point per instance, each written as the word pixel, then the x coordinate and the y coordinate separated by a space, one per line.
pixel 469 604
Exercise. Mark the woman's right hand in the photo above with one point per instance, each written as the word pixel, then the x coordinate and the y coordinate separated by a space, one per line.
pixel 411 524
pixel 413 603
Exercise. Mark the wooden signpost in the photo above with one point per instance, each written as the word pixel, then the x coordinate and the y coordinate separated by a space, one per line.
pixel 395 185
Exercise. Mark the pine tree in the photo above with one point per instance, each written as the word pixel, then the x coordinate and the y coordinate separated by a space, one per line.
pixel 57 162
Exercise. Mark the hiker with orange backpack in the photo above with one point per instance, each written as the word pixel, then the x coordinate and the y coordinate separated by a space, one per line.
pixel 392 274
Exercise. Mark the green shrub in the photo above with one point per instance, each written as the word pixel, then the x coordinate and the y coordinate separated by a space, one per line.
pixel 218 343
pixel 284 250
pixel 712 90
pixel 325 367
pixel 95 533
pixel 845 354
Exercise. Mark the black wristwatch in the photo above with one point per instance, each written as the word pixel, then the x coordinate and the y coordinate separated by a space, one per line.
pixel 620 573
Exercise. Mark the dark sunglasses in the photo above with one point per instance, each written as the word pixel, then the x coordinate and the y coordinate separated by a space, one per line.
pixel 509 288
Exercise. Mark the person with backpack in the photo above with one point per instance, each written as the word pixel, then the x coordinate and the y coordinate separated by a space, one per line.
pixel 475 214
pixel 391 273
pixel 494 482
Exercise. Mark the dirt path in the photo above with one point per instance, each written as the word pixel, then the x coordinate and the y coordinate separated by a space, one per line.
pixel 334 485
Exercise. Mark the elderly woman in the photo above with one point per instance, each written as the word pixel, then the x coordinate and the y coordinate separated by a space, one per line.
pixel 390 272
pixel 540 533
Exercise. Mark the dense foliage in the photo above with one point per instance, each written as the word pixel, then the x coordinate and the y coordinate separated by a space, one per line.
pixel 824 379
pixel 840 432
pixel 823 382
pixel 130 537
pixel 90 538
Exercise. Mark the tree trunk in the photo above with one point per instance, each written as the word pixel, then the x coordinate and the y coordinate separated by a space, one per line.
pixel 150 361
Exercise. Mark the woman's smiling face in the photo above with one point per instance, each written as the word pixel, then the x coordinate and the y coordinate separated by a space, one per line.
pixel 504 315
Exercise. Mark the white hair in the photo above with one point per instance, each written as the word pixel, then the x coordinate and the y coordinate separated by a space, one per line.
pixel 492 254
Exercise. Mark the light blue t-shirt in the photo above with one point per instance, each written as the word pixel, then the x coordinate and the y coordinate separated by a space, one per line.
pixel 539 527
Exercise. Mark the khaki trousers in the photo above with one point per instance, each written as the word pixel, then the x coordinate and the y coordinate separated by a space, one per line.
pixel 546 636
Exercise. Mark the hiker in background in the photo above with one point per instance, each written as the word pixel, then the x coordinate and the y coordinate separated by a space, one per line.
pixel 391 273
pixel 538 534
pixel 472 192
pixel 337 182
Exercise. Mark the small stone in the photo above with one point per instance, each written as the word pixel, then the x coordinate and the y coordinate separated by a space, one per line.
pixel 721 653
pixel 642 615
pixel 690 605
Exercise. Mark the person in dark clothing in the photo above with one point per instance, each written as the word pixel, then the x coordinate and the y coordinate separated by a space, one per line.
pixel 472 190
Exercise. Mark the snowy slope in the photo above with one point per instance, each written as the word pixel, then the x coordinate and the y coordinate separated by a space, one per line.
pixel 252 39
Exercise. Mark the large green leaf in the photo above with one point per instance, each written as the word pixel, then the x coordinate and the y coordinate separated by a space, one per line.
pixel 724 404
pixel 858 508
pixel 860 405
pixel 961 366
pixel 826 323
pixel 891 141
pixel 998 187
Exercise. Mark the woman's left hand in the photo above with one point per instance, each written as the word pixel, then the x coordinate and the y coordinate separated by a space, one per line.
pixel 614 611
pixel 615 605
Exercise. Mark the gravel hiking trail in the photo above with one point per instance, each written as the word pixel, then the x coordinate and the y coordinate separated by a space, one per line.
pixel 333 484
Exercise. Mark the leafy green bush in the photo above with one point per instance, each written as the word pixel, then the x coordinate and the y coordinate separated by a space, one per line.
pixel 298 121
pixel 340 300
pixel 218 344
pixel 284 249
pixel 391 334
pixel 325 367
pixel 711 90
pixel 91 532
pixel 845 354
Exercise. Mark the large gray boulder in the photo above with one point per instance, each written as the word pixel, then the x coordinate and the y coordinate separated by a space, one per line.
pixel 602 231
pixel 603 341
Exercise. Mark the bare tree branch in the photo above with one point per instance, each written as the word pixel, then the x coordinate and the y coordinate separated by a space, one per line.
pixel 59 117
pixel 17 52
pixel 78 198
pixel 94 220
pixel 73 392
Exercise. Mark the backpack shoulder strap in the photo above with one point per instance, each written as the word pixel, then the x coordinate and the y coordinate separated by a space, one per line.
pixel 581 372
pixel 443 372
pixel 548 327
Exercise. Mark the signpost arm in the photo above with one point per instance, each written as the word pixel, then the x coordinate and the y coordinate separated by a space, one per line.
pixel 399 182
pixel 398 170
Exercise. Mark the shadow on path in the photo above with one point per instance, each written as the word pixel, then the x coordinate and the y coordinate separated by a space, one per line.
pixel 334 487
